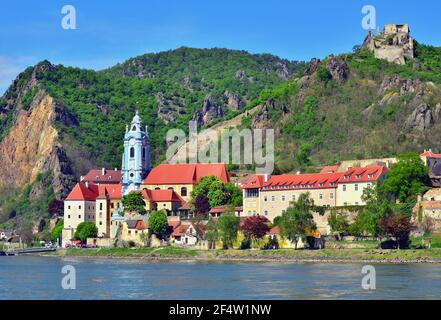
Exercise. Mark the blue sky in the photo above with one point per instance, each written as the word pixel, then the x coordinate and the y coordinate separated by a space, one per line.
pixel 113 31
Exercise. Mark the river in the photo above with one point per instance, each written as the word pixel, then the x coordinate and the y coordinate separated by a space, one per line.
pixel 33 277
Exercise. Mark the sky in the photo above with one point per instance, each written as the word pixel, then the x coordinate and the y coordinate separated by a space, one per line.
pixel 108 32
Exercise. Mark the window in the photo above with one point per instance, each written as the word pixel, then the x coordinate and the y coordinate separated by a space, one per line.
pixel 320 196
pixel 344 187
pixel 132 152
pixel 283 198
pixel 79 207
pixel 79 217
pixel 273 198
pixel 130 231
pixel 101 206
pixel 331 195
pixel 134 128
pixel 101 214
pixel 112 205
pixel 68 216
pixel 101 223
pixel 171 188
pixel 265 198
pixel 356 203
pixel 68 207
pixel 157 188
pixel 356 187
pixel 368 185
pixel 183 191
pixel 266 212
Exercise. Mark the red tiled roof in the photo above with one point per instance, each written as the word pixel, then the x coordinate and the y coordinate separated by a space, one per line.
pixel 255 181
pixel 430 154
pixel 303 181
pixel 368 174
pixel 174 224
pixel 274 231
pixel 109 177
pixel 112 191
pixel 180 230
pixel 222 209
pixel 83 192
pixel 162 196
pixel 185 173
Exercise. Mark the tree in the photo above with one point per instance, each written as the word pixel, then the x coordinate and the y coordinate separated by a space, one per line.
pixel 158 223
pixel 55 207
pixel 297 221
pixel 201 205
pixel 255 227
pixel 217 192
pixel 86 230
pixel 56 231
pixel 134 202
pixel 398 226
pixel 211 233
pixel 338 223
pixel 377 207
pixel 228 226
pixel 406 179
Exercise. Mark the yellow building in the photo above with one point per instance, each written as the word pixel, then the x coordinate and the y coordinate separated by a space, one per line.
pixel 181 178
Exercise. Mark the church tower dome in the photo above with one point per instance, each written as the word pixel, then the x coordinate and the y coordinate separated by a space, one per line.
pixel 136 157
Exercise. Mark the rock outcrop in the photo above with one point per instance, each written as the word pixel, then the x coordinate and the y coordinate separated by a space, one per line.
pixel 421 118
pixel 210 110
pixel 338 69
pixel 234 101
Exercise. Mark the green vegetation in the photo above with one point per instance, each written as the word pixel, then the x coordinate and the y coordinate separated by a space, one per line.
pixel 297 221
pixel 228 226
pixel 86 230
pixel 134 202
pixel 217 193
pixel 56 232
pixel 158 223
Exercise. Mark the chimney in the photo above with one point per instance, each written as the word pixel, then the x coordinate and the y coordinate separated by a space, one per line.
pixel 81 178
pixel 298 172
pixel 116 169
pixel 87 184
pixel 103 171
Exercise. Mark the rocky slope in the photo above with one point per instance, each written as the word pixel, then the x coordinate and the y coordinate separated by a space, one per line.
pixel 56 122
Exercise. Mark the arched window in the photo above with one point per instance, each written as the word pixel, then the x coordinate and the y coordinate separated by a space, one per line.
pixel 183 191
pixel 132 152
pixel 134 128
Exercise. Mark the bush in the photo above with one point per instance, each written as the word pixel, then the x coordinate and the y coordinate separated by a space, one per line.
pixel 86 230
pixel 158 223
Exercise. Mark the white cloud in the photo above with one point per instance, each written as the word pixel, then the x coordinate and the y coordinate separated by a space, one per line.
pixel 10 67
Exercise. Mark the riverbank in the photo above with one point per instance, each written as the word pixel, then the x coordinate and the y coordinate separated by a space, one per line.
pixel 283 255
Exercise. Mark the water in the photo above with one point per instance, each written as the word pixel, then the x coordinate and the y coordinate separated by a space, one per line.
pixel 30 277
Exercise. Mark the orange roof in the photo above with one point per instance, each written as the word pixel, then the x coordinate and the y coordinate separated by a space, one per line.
pixel 180 230
pixel 301 181
pixel 255 181
pixel 371 173
pixel 83 192
pixel 109 177
pixel 186 173
pixel 274 231
pixel 222 209
pixel 111 191
pixel 162 196
pixel 430 154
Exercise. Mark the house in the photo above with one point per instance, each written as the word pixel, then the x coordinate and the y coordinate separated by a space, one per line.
pixel 188 234
pixel 218 211
pixel 167 200
pixel 182 178
pixel 132 230
pixel 353 182
pixel 280 191
pixel 433 162
pixel 251 188
pixel 90 202
pixel 428 208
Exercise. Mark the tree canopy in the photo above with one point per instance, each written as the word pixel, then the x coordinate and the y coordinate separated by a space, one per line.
pixel 86 230
pixel 228 226
pixel 134 202
pixel 158 223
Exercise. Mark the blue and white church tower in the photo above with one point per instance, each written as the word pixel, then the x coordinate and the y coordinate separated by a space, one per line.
pixel 136 157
